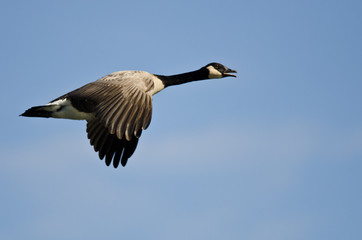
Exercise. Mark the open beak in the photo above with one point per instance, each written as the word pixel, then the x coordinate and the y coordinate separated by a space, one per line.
pixel 228 72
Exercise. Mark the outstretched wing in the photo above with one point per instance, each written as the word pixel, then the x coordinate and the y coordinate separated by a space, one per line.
pixel 109 145
pixel 122 108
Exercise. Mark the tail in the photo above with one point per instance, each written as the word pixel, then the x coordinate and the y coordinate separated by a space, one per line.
pixel 40 111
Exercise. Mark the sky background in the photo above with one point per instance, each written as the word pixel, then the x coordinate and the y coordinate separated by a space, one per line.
pixel 275 153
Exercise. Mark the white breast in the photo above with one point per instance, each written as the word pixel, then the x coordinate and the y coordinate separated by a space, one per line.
pixel 157 85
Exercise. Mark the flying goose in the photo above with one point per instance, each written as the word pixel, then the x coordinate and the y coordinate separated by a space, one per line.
pixel 118 107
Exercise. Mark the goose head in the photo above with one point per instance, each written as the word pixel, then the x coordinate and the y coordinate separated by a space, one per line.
pixel 217 70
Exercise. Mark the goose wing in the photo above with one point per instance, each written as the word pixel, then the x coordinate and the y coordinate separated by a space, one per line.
pixel 109 145
pixel 122 108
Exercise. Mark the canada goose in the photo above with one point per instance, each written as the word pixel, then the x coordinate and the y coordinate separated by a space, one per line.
pixel 118 107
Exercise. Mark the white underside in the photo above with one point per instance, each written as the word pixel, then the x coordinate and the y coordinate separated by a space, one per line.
pixel 68 111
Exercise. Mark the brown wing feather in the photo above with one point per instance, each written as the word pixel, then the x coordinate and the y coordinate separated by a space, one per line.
pixel 109 146
pixel 122 106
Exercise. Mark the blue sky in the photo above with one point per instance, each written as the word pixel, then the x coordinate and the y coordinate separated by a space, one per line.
pixel 273 154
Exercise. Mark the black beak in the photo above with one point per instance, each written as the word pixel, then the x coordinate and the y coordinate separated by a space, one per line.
pixel 227 73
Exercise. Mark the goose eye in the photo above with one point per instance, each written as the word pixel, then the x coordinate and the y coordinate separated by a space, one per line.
pixel 217 66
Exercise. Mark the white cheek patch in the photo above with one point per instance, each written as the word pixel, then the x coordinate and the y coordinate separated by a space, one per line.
pixel 213 73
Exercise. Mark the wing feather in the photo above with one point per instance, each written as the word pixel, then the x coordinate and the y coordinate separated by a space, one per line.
pixel 109 146
pixel 122 107
pixel 148 113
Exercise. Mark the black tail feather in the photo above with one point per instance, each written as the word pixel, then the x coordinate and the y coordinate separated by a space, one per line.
pixel 39 111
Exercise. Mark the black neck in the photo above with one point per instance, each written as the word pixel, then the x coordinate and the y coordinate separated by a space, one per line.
pixel 200 74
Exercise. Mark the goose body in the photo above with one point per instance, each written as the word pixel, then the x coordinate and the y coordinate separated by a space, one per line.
pixel 118 107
